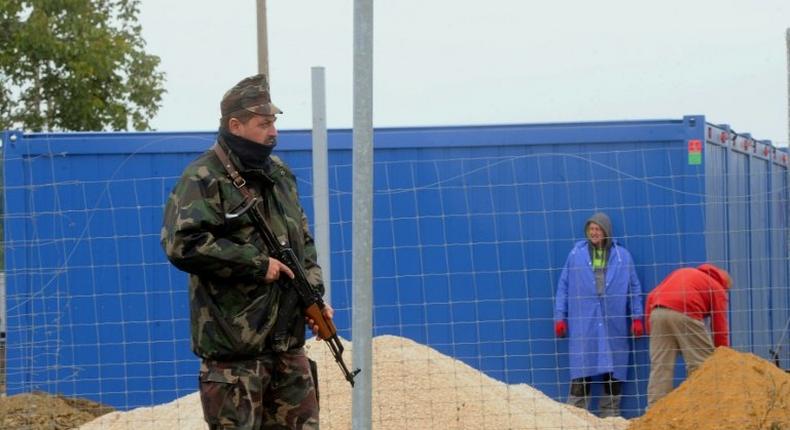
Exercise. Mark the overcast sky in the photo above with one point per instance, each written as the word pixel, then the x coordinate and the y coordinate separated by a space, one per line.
pixel 454 62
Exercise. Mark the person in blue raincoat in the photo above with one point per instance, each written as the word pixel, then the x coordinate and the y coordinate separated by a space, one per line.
pixel 597 294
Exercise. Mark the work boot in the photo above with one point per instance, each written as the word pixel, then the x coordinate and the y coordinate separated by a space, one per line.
pixel 582 402
pixel 579 395
pixel 609 406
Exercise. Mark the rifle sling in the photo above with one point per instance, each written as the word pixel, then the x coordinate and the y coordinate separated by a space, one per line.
pixel 235 176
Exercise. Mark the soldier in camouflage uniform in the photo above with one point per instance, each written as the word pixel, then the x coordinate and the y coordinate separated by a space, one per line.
pixel 247 380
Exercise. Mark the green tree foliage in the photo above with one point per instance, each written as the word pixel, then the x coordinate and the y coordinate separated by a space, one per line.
pixel 75 65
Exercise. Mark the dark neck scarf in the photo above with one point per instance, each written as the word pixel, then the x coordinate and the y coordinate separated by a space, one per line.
pixel 252 155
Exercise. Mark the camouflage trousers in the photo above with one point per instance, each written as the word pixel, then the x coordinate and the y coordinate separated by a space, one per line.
pixel 275 391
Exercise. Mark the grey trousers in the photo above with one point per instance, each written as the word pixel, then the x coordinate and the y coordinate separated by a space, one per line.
pixel 672 332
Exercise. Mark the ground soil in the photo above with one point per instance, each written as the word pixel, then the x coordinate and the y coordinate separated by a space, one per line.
pixel 731 391
pixel 42 411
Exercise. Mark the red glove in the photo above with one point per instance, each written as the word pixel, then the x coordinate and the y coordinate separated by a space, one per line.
pixel 637 328
pixel 560 328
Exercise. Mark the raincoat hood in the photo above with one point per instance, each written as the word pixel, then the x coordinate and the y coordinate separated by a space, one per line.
pixel 605 223
pixel 719 275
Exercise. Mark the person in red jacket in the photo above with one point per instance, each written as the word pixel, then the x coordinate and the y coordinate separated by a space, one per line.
pixel 676 310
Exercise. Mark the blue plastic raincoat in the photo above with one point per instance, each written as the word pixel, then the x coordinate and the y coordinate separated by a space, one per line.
pixel 598 325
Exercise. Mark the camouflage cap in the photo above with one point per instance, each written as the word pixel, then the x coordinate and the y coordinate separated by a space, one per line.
pixel 250 94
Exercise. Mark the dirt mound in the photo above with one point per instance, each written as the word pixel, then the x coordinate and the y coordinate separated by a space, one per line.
pixel 731 390
pixel 42 411
pixel 417 387
pixel 414 387
pixel 184 413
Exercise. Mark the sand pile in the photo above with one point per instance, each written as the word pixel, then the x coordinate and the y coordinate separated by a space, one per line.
pixel 414 387
pixel 417 387
pixel 184 413
pixel 731 391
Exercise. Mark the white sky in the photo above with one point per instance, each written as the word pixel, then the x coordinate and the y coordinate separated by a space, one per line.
pixel 445 62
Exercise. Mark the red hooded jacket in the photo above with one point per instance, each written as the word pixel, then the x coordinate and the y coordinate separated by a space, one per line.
pixel 698 293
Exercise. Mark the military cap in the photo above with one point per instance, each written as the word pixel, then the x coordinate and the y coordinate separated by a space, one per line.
pixel 250 94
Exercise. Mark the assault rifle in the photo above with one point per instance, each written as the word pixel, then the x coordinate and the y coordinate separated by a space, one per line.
pixel 311 301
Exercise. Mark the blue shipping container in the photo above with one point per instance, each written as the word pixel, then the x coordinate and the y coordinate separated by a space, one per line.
pixel 472 226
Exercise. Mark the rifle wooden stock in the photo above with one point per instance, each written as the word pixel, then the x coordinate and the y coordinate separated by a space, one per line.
pixel 326 328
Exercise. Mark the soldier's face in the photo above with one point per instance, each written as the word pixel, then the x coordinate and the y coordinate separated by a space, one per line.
pixel 259 129
pixel 595 234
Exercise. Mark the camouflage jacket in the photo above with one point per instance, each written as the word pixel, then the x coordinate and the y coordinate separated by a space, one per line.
pixel 232 310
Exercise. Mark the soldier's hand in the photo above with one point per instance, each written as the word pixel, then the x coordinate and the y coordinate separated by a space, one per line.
pixel 276 267
pixel 328 313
